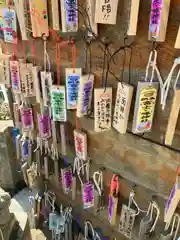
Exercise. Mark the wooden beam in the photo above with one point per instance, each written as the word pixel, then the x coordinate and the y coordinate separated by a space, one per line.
pixel 173 118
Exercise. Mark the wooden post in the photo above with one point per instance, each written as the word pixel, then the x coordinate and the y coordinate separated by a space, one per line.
pixel 173 118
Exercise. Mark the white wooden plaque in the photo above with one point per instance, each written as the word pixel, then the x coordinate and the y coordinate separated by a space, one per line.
pixel 15 76
pixel 134 12
pixel 27 87
pixel 85 95
pixel 5 69
pixel 46 83
pixel 36 79
pixel 102 109
pixel 69 16
pixel 122 107
pixel 23 15
pixel 177 44
pixel 72 86
pixel 106 11
pixel 55 14
pixel 90 5
pixel 80 142
pixel 39 18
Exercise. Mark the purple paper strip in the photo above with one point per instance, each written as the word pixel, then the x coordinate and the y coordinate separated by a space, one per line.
pixel 156 9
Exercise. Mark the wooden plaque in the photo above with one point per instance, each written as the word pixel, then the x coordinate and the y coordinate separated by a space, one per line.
pixel 134 12
pixel 144 107
pixel 177 44
pixel 122 107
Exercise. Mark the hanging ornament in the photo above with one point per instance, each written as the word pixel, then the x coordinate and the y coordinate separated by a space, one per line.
pixel 98 191
pixel 27 118
pixel 46 83
pixel 113 200
pixel 15 76
pixel 122 107
pixel 80 142
pixel 166 235
pixel 158 20
pixel 63 140
pixel 85 95
pixel 67 178
pixel 106 11
pixel 27 84
pixel 69 16
pixel 58 103
pixel 39 18
pixel 44 123
pixel 4 68
pixel 102 109
pixel 146 97
pixel 72 86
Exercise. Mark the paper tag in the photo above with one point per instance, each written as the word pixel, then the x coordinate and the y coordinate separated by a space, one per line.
pixel 39 18
pixel 5 69
pixel 58 103
pixel 144 107
pixel 112 209
pixel 127 219
pixel 80 142
pixel 35 74
pixel 72 86
pixel 102 109
pixel 15 76
pixel 88 195
pixel 122 107
pixel 90 6
pixel 44 126
pixel 27 118
pixel 66 175
pixel 46 83
pixel 85 95
pixel 22 11
pixel 106 11
pixel 10 25
pixel 69 16
pixel 53 221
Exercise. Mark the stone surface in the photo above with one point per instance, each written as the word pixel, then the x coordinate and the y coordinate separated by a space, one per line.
pixel 9 175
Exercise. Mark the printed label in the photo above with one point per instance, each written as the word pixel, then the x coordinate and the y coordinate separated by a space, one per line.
pixel 145 114
pixel 10 26
pixel 71 15
pixel 110 208
pixel 88 195
pixel 44 126
pixel 155 18
pixel 58 104
pixel 103 109
pixel 15 75
pixel 27 118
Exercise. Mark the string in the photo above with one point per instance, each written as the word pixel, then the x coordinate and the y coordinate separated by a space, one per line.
pixel 58 62
pixel 33 50
pixel 24 51
pixel 73 56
